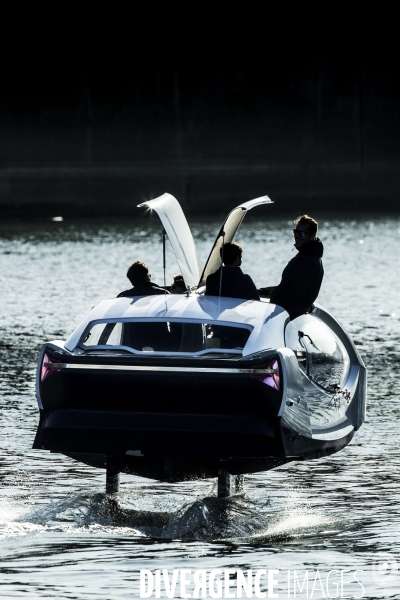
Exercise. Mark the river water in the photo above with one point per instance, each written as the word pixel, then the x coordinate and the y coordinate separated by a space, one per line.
pixel 60 537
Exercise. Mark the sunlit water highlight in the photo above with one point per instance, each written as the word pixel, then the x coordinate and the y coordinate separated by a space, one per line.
pixel 61 537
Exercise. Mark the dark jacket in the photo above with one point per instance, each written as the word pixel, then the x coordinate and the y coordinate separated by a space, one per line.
pixel 147 288
pixel 235 284
pixel 301 280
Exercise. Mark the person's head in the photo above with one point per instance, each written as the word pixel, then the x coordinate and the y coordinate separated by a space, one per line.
pixel 231 254
pixel 138 272
pixel 305 231
pixel 178 285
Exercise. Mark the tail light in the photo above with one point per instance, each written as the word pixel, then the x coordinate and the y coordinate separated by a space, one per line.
pixel 49 367
pixel 272 379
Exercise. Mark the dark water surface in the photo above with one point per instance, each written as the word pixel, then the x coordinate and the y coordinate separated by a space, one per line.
pixel 60 537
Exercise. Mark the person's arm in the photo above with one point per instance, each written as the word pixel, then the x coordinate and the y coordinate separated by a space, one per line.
pixel 251 292
pixel 266 292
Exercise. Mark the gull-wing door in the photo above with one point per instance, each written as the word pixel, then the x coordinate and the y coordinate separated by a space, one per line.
pixel 174 221
pixel 227 234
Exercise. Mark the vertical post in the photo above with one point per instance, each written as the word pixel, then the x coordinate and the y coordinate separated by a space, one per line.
pixel 239 484
pixel 224 479
pixel 222 260
pixel 112 475
pixel 164 262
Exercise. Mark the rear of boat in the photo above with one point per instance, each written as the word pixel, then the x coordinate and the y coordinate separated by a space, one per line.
pixel 171 411
pixel 185 387
pixel 208 383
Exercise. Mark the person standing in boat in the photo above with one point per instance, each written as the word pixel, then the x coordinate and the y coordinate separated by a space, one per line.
pixel 233 282
pixel 302 276
pixel 140 278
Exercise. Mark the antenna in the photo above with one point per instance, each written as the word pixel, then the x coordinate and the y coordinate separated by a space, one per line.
pixel 163 250
pixel 165 281
pixel 222 260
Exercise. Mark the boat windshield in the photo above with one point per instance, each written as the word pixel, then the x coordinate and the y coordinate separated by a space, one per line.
pixel 162 336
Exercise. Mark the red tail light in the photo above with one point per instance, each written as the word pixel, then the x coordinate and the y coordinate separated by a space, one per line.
pixel 48 368
pixel 273 379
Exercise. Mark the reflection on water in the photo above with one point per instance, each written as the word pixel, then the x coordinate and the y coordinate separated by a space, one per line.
pixel 60 537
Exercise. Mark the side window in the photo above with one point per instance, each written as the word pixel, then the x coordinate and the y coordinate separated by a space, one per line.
pixel 114 339
pixel 104 334
pixel 321 355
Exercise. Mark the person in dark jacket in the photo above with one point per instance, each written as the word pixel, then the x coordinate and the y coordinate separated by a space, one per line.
pixel 234 283
pixel 178 285
pixel 144 336
pixel 138 275
pixel 302 276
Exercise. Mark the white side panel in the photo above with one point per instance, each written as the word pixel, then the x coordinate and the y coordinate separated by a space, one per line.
pixel 294 411
pixel 170 212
